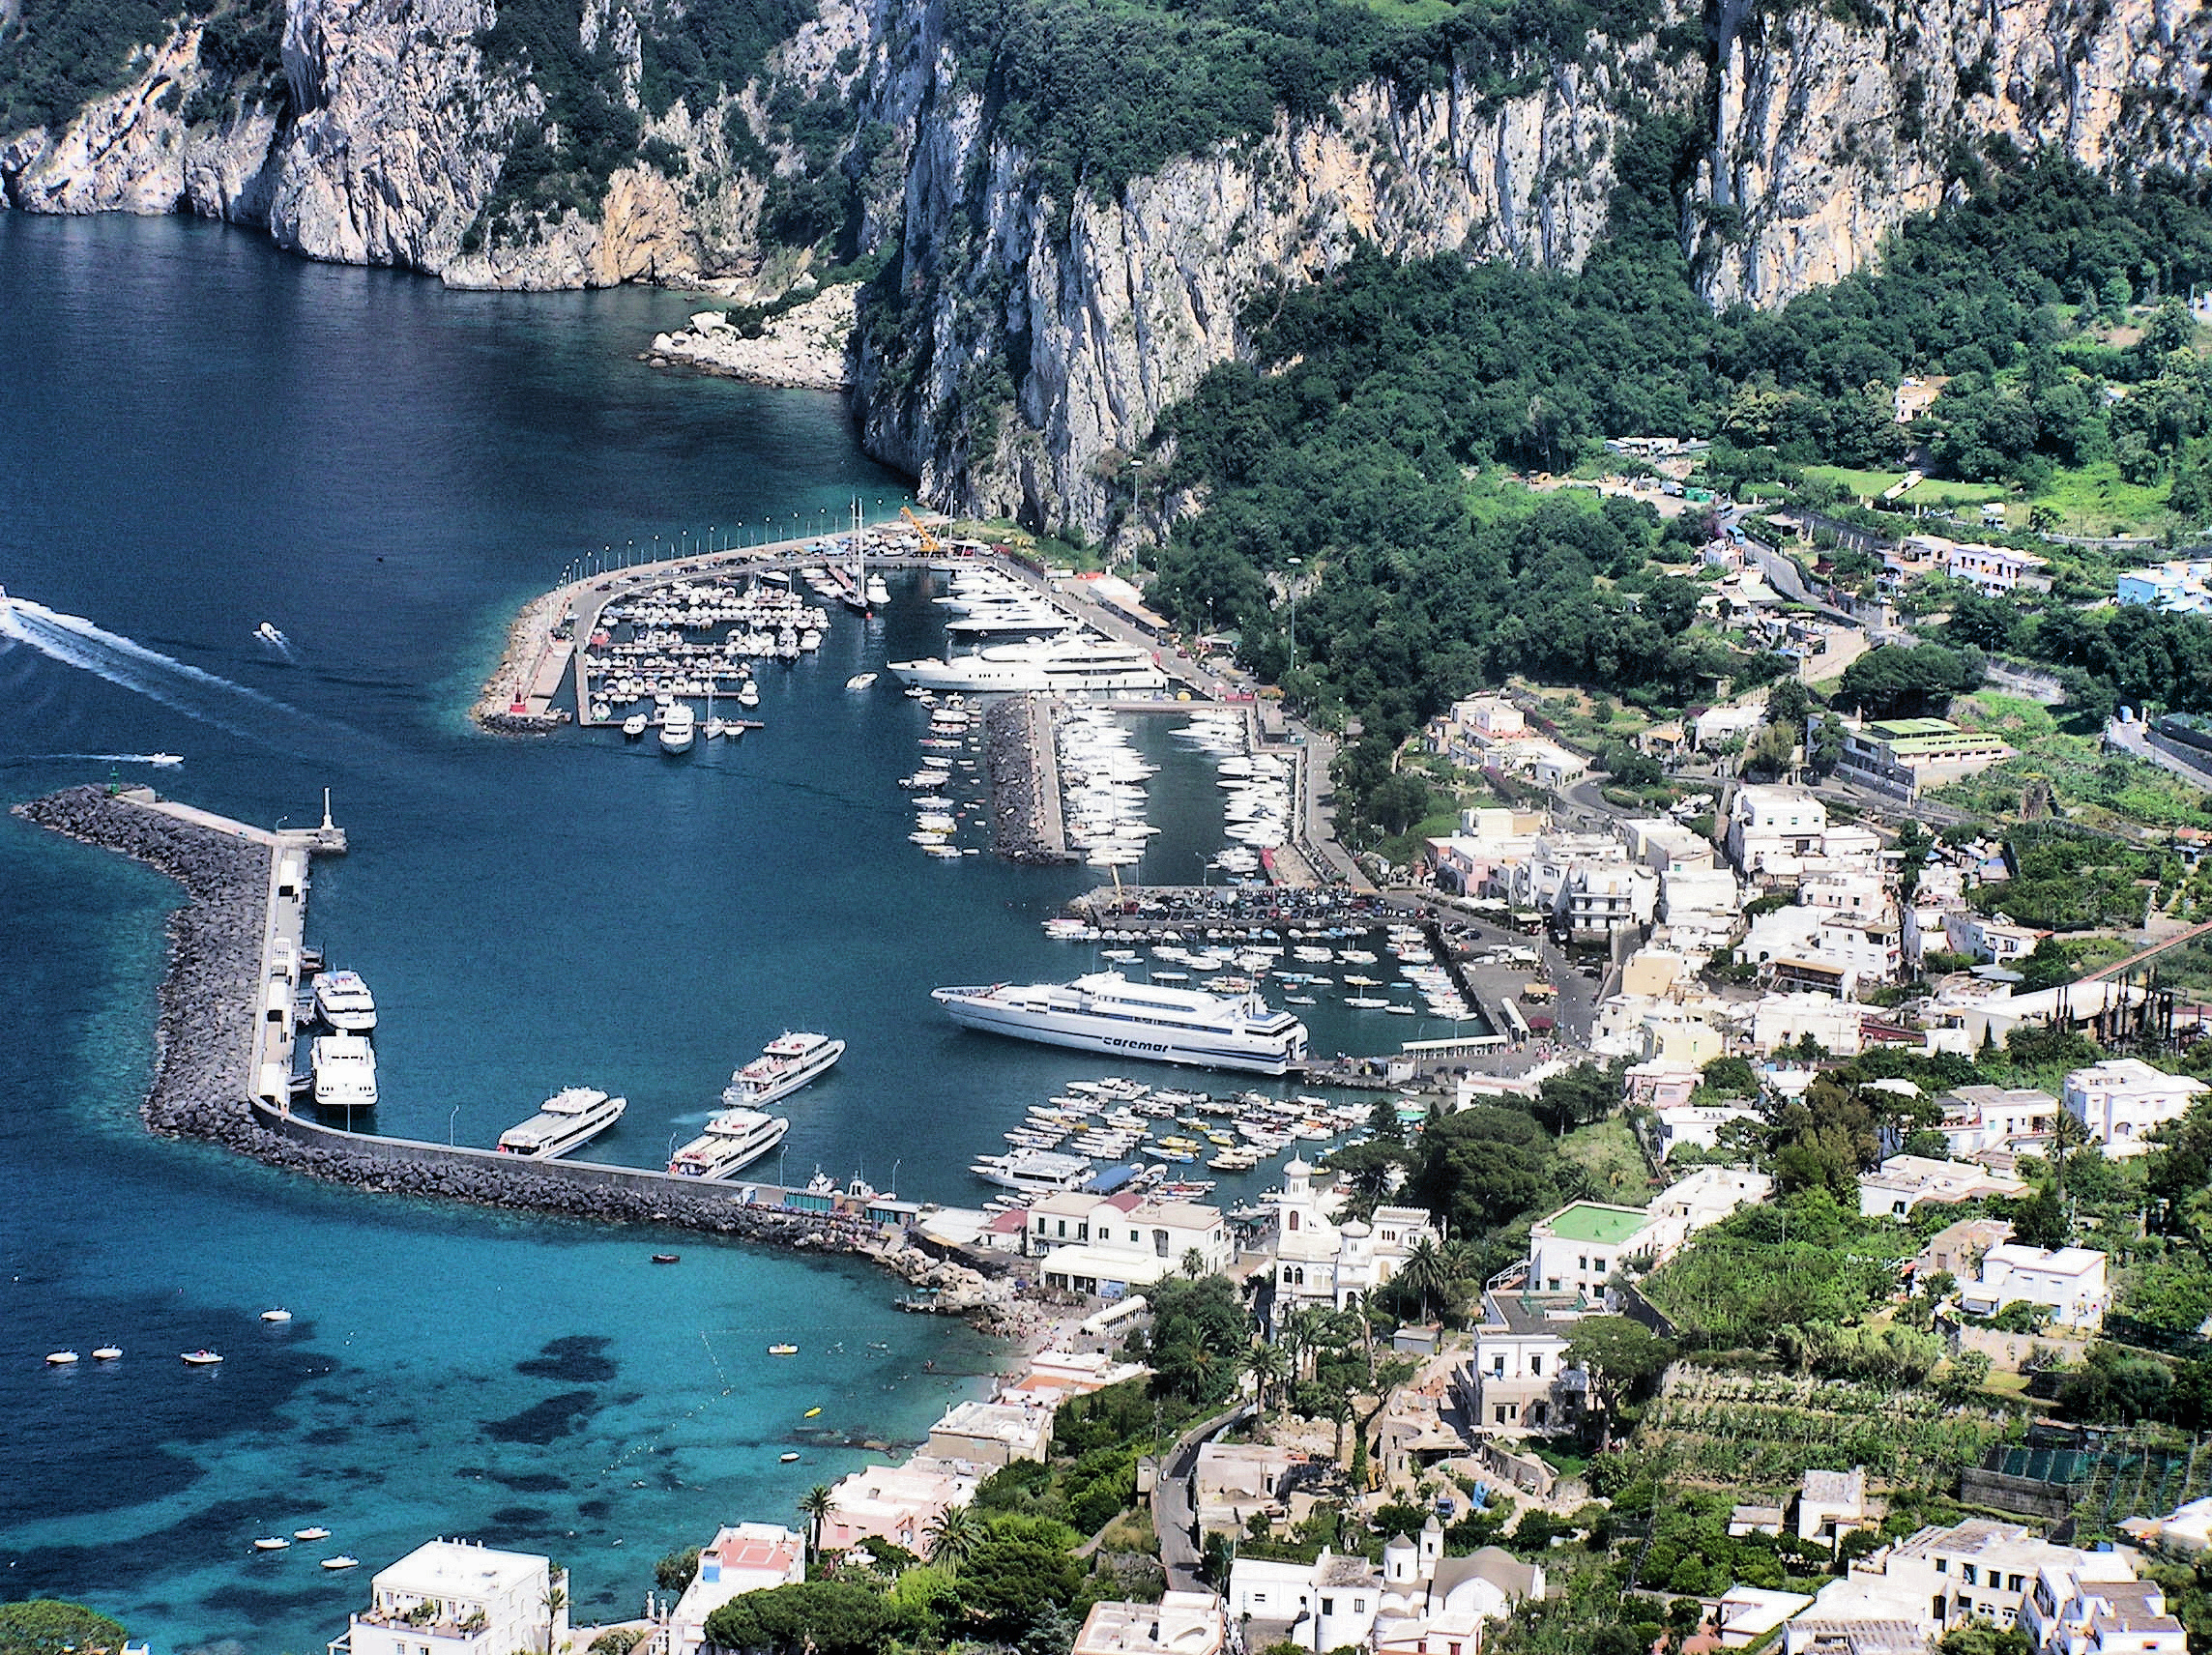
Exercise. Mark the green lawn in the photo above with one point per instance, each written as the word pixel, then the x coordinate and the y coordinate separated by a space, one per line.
pixel 2096 499
pixel 2013 716
pixel 1607 1152
pixel 1934 491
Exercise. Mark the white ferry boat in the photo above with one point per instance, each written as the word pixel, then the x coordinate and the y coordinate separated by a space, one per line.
pixel 570 1117
pixel 343 1001
pixel 733 1141
pixel 1068 665
pixel 1035 1172
pixel 787 1063
pixel 345 1071
pixel 1106 1012
pixel 677 728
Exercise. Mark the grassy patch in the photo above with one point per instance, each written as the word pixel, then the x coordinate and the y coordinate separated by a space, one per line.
pixel 1607 1151
pixel 1866 484
pixel 1131 1531
pixel 2110 789
pixel 2096 499
pixel 2014 717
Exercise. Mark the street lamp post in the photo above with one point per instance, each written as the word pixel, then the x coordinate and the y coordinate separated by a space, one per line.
pixel 451 1119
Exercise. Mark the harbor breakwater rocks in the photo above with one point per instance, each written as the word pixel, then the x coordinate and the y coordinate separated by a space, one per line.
pixel 200 1089
pixel 1019 832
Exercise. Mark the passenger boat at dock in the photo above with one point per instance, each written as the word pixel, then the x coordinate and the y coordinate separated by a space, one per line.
pixel 733 1141
pixel 785 1063
pixel 677 728
pixel 572 1116
pixel 1035 1171
pixel 344 1067
pixel 1106 1012
pixel 1067 665
pixel 342 1002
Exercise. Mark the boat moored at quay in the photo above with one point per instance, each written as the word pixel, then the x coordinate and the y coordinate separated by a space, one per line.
pixel 734 1140
pixel 788 1062
pixel 570 1117
pixel 1106 1012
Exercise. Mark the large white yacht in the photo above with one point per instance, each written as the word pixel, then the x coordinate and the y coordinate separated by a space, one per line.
pixel 1106 1012
pixel 1061 665
pixel 345 1071
pixel 571 1116
pixel 1035 1172
pixel 1012 617
pixel 677 728
pixel 733 1141
pixel 343 1001
pixel 787 1063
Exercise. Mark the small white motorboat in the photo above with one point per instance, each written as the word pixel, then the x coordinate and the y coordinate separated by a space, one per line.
pixel 341 1561
pixel 107 1352
pixel 61 1358
pixel 749 694
pixel 634 727
pixel 318 1532
pixel 277 1314
pixel 166 761
pixel 787 1459
pixel 267 632
pixel 202 1358
pixel 860 681
pixel 273 1543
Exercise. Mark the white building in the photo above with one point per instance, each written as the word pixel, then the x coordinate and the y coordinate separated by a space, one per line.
pixel 1665 845
pixel 1903 1182
pixel 1575 1248
pixel 450 1597
pixel 2068 1282
pixel 1703 1199
pixel 991 1434
pixel 1991 938
pixel 1418 1603
pixel 2122 1099
pixel 1940 1578
pixel 1124 1242
pixel 748 1557
pixel 1772 829
pixel 1319 1261
pixel 897 1503
pixel 2183 584
pixel 1779 1019
pixel 1181 1623
pixel 1698 1124
pixel 1520 1379
pixel 1977 1118
pixel 2074 1610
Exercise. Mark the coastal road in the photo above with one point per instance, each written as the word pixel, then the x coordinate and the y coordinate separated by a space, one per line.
pixel 1174 1517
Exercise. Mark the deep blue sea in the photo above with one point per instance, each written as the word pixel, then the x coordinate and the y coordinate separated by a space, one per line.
pixel 203 434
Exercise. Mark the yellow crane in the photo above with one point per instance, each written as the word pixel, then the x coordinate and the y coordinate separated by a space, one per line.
pixel 930 544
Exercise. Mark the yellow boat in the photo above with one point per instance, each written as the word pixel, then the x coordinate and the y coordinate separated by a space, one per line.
pixel 810 1414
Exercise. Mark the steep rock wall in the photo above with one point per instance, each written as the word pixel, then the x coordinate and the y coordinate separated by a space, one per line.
pixel 1827 134
pixel 1100 314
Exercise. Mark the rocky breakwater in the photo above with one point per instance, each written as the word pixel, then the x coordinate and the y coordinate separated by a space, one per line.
pixel 202 1054
pixel 808 347
pixel 1022 829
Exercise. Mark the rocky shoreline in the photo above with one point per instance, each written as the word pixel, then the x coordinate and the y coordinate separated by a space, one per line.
pixel 527 638
pixel 808 347
pixel 202 1046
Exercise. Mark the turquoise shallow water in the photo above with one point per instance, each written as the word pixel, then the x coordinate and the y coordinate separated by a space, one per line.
pixel 204 435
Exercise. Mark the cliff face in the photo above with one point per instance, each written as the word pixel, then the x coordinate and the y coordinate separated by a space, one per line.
pixel 1125 303
pixel 1021 347
pixel 1826 134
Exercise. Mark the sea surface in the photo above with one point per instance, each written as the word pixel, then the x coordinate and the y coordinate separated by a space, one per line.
pixel 203 434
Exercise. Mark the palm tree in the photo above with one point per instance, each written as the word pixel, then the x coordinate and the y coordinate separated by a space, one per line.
pixel 1193 1263
pixel 815 1506
pixel 1423 1271
pixel 1267 1364
pixel 954 1534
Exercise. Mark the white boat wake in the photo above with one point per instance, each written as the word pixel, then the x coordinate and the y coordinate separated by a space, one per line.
pixel 163 761
pixel 198 694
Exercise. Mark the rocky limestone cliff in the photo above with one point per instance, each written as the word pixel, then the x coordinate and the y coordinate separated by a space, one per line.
pixel 132 151
pixel 1022 347
pixel 1827 134
pixel 1129 304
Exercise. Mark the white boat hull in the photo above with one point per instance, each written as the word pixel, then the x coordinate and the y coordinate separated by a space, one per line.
pixel 1268 1055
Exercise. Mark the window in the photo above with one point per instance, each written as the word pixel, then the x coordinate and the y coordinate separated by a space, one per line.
pixel 1969 1574
pixel 1583 1264
pixel 1258 1597
pixel 1294 1221
pixel 1943 1565
pixel 1063 1229
pixel 1498 1366
pixel 1536 1366
pixel 1328 1605
pixel 1358 1606
pixel 2015 1584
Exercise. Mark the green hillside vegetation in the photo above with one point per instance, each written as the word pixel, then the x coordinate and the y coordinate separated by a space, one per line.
pixel 1347 441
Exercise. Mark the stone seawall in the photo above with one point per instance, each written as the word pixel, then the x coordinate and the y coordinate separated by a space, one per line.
pixel 201 1086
